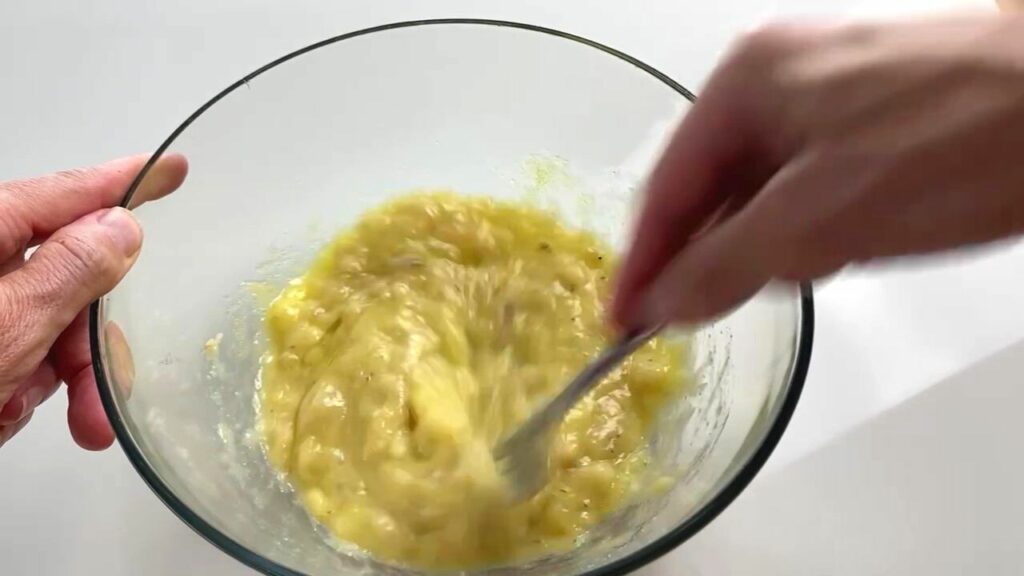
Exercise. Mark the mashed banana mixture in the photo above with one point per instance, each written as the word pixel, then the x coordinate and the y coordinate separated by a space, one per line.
pixel 420 339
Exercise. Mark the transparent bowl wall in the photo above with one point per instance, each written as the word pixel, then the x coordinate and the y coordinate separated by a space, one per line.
pixel 299 151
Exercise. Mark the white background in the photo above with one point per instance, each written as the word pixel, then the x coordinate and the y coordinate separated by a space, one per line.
pixel 81 82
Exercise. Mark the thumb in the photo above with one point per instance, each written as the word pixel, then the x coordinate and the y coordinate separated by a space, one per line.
pixel 78 264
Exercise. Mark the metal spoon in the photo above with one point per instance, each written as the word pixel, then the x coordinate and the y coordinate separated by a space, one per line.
pixel 523 457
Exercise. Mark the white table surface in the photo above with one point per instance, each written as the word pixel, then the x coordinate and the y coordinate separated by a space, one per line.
pixel 81 82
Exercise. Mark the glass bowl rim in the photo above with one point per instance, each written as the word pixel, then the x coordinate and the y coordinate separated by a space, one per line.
pixel 799 363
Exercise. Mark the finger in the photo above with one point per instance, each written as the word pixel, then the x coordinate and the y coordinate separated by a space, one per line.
pixel 7 432
pixel 787 231
pixel 701 169
pixel 86 418
pixel 708 278
pixel 77 265
pixel 30 394
pixel 728 263
pixel 72 356
pixel 34 209
pixel 13 263
pixel 9 383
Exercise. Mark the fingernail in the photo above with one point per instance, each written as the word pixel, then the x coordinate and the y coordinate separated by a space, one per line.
pixel 14 410
pixel 123 230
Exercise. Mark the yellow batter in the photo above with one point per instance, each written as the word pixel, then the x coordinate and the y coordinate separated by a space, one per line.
pixel 421 338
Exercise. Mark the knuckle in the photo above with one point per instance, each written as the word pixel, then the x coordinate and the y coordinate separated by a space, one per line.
pixel 16 188
pixel 15 233
pixel 81 260
pixel 17 345
pixel 13 236
pixel 74 177
pixel 765 58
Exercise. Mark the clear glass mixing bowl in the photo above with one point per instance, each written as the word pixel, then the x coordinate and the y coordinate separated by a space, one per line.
pixel 300 148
